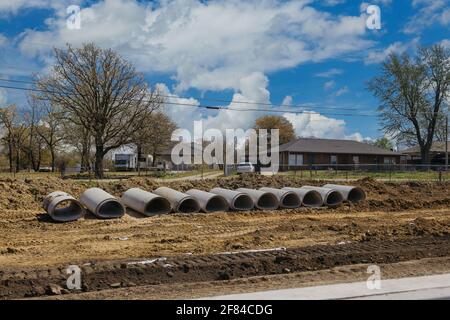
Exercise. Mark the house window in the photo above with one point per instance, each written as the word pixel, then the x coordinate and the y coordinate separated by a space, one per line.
pixel 295 160
pixel 355 160
pixel 389 160
pixel 292 159
pixel 334 159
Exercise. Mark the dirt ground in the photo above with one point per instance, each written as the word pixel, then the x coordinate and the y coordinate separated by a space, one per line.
pixel 29 239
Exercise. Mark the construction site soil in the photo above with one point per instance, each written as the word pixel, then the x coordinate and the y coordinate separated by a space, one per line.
pixel 398 222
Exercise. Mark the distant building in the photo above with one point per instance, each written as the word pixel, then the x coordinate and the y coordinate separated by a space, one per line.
pixel 125 162
pixel 310 152
pixel 437 153
pixel 165 158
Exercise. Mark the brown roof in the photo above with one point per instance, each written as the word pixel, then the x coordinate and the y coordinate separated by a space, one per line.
pixel 437 147
pixel 313 145
pixel 194 147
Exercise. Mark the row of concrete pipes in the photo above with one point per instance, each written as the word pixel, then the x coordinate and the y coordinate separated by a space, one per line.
pixel 63 207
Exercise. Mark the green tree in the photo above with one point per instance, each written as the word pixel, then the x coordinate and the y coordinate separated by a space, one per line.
pixel 412 91
pixel 384 143
pixel 287 132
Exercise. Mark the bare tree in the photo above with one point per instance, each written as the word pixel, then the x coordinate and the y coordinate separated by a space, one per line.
pixel 14 135
pixel 49 125
pixel 100 91
pixel 156 135
pixel 80 138
pixel 411 93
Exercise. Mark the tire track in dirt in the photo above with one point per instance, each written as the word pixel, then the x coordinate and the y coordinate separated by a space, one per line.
pixel 16 283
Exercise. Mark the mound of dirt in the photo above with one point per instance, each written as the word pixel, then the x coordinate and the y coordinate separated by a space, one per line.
pixel 27 194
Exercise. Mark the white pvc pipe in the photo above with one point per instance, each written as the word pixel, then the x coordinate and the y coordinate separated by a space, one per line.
pixel 102 204
pixel 309 198
pixel 181 202
pixel 331 197
pixel 147 203
pixel 350 193
pixel 263 200
pixel 209 202
pixel 62 207
pixel 237 201
pixel 287 199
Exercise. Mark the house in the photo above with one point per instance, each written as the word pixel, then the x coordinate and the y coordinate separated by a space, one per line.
pixel 165 158
pixel 331 153
pixel 437 153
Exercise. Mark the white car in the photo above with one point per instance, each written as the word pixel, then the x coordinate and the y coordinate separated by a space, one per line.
pixel 245 167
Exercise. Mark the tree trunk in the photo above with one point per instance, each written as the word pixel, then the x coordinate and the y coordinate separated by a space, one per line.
pixel 99 154
pixel 10 156
pixel 139 156
pixel 425 154
pixel 17 161
pixel 52 153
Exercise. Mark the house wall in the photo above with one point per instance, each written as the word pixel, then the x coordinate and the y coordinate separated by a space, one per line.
pixel 317 159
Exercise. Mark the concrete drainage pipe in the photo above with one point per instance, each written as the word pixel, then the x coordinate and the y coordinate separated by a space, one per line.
pixel 331 197
pixel 237 201
pixel 62 207
pixel 209 202
pixel 287 199
pixel 309 198
pixel 263 200
pixel 102 204
pixel 181 202
pixel 350 193
pixel 146 203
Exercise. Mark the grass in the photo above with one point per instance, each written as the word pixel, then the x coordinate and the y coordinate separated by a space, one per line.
pixel 305 174
pixel 108 175
pixel 348 175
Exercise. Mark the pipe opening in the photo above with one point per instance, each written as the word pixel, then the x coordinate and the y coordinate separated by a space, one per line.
pixel 356 195
pixel 216 204
pixel 111 209
pixel 290 201
pixel 334 199
pixel 188 206
pixel 267 201
pixel 67 210
pixel 312 199
pixel 243 203
pixel 158 206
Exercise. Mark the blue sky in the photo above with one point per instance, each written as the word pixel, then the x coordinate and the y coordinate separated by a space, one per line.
pixel 300 52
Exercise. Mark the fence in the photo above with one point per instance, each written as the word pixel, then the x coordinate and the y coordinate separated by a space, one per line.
pixel 386 172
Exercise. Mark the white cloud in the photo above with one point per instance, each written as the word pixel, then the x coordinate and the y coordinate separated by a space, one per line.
pixel 430 12
pixel 287 101
pixel 330 73
pixel 313 124
pixel 3 97
pixel 341 91
pixel 3 40
pixel 378 56
pixel 329 85
pixel 254 88
pixel 209 45
pixel 445 43
pixel 14 6
pixel 332 3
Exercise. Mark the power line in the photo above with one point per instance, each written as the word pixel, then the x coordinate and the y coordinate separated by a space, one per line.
pixel 209 107
pixel 218 100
